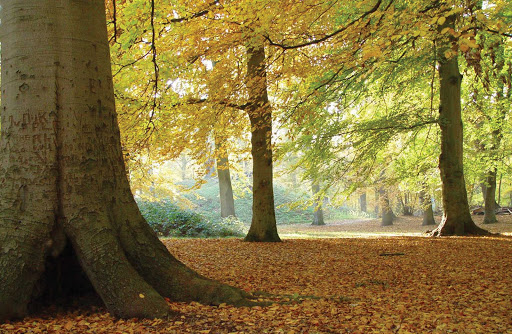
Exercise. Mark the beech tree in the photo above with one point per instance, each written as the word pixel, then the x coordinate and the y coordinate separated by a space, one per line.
pixel 63 181
pixel 456 215
pixel 263 224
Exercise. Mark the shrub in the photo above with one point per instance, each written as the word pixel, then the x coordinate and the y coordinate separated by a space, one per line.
pixel 168 219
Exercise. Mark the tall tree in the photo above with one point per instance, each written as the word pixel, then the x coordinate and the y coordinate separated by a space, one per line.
pixel 456 217
pixel 263 224
pixel 63 181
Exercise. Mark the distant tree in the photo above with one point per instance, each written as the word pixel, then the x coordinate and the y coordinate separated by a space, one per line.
pixel 362 202
pixel 387 214
pixel 318 214
pixel 227 202
pixel 426 208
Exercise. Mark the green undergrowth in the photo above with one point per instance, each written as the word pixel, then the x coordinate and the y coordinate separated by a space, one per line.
pixel 169 220
pixel 206 201
pixel 202 219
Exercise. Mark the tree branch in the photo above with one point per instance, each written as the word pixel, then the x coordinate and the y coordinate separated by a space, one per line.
pixel 326 37
pixel 195 15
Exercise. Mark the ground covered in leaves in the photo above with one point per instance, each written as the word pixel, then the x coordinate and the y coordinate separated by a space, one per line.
pixel 399 284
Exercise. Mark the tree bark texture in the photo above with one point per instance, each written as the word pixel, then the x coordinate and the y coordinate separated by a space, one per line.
pixel 263 225
pixel 456 218
pixel 227 202
pixel 62 176
pixel 318 214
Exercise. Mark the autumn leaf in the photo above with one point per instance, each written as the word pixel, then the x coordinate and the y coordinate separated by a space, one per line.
pixel 330 285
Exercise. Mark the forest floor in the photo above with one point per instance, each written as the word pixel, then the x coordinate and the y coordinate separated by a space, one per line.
pixel 402 226
pixel 379 282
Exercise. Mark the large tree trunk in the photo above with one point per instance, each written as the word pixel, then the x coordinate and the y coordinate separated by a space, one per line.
pixel 318 214
pixel 263 224
pixel 457 218
pixel 227 203
pixel 387 212
pixel 63 181
pixel 490 198
pixel 426 207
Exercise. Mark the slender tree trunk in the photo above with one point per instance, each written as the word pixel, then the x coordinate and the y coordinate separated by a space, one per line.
pixel 227 203
pixel 362 202
pixel 426 207
pixel 376 198
pixel 318 214
pixel 387 213
pixel 457 218
pixel 263 225
pixel 63 183
pixel 490 198
pixel 499 190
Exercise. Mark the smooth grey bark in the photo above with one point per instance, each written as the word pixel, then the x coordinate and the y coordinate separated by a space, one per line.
pixel 263 225
pixel 62 176
pixel 426 207
pixel 227 202
pixel 456 218
pixel 318 214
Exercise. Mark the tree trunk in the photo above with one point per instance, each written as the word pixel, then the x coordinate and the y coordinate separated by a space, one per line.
pixel 318 214
pixel 63 181
pixel 407 209
pixel 376 198
pixel 227 203
pixel 263 224
pixel 387 213
pixel 362 202
pixel 426 207
pixel 490 198
pixel 457 218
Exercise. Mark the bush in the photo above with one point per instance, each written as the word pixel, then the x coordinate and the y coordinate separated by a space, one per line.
pixel 168 219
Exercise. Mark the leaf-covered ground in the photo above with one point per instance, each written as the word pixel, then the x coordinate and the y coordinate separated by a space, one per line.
pixel 331 285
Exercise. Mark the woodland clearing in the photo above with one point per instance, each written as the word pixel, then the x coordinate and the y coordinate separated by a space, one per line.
pixel 396 282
